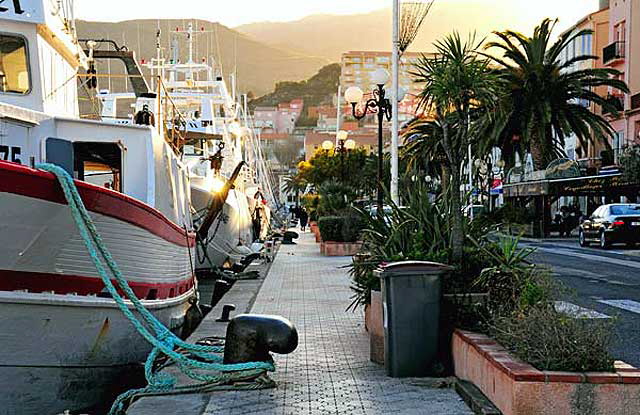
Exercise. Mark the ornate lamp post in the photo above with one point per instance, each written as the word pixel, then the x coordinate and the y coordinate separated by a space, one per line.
pixel 344 146
pixel 379 105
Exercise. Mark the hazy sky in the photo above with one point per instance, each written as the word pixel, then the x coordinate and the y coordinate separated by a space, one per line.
pixel 235 12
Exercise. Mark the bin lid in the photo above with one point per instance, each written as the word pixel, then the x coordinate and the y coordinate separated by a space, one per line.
pixel 413 267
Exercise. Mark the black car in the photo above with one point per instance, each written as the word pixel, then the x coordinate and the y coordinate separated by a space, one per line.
pixel 611 224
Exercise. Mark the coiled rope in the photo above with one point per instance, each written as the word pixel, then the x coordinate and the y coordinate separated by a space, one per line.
pixel 194 360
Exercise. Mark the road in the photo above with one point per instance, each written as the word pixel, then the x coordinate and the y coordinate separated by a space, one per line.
pixel 604 283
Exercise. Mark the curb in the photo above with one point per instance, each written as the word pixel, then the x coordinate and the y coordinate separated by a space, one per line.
pixel 475 399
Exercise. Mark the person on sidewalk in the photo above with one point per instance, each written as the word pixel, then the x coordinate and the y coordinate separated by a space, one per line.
pixel 304 218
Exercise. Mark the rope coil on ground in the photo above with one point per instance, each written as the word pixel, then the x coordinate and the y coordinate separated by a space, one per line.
pixel 193 361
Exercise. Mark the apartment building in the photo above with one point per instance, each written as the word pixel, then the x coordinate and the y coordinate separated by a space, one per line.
pixel 358 66
pixel 623 53
pixel 279 119
pixel 588 44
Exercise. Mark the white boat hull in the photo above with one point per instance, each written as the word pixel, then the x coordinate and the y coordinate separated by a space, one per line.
pixel 70 351
pixel 63 340
pixel 232 228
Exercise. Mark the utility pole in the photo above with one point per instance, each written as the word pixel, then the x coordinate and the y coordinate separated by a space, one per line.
pixel 395 124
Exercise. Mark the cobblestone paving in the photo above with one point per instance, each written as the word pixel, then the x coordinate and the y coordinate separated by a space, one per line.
pixel 330 372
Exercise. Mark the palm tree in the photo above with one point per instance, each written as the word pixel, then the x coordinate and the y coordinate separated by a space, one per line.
pixel 545 100
pixel 458 85
pixel 296 185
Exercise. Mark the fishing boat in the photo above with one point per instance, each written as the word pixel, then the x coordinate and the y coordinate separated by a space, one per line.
pixel 219 139
pixel 63 340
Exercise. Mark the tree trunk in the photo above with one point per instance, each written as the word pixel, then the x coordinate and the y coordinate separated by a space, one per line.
pixel 541 151
pixel 457 230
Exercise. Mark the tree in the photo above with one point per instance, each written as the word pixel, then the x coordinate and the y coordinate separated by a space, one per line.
pixel 458 86
pixel 545 99
pixel 294 185
pixel 287 152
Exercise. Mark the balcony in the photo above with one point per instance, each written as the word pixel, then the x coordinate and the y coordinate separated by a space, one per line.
pixel 617 101
pixel 614 53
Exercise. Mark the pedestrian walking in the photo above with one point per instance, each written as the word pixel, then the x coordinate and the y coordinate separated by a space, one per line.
pixel 304 218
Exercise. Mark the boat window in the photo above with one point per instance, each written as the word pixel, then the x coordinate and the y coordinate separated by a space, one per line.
pixel 99 164
pixel 14 66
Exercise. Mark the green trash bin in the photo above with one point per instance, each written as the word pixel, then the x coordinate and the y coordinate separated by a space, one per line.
pixel 411 313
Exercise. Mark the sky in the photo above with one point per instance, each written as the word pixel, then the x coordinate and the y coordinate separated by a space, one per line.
pixel 236 12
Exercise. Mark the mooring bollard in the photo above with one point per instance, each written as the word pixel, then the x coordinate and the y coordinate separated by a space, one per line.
pixel 250 338
pixel 220 288
pixel 289 236
pixel 226 312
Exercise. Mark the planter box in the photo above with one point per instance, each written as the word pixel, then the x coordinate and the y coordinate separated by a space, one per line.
pixel 518 388
pixel 374 323
pixel 330 248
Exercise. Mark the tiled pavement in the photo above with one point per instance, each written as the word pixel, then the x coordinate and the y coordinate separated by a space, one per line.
pixel 330 372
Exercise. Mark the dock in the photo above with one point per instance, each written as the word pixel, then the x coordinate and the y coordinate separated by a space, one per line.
pixel 330 372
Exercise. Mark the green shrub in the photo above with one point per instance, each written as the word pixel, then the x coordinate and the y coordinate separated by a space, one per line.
pixel 550 340
pixel 352 228
pixel 331 228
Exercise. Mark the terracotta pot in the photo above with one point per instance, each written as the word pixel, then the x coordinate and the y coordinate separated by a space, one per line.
pixel 375 326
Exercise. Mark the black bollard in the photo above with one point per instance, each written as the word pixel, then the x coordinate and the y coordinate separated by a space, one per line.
pixel 226 312
pixel 250 338
pixel 289 236
pixel 220 288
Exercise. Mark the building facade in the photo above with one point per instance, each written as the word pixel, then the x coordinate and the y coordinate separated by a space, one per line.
pixel 623 53
pixel 281 119
pixel 358 67
pixel 588 44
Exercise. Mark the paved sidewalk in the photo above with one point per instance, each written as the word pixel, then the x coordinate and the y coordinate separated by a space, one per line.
pixel 330 372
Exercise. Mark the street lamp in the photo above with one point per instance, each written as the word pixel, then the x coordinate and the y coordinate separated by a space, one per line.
pixel 344 146
pixel 327 145
pixel 379 105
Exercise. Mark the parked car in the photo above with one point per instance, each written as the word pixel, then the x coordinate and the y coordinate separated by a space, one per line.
pixel 611 224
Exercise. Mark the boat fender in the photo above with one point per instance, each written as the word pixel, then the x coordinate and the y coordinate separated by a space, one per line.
pixel 250 338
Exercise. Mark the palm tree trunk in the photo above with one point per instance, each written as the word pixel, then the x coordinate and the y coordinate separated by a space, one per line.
pixel 541 151
pixel 457 231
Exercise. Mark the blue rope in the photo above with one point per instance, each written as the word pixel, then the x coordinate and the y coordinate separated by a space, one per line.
pixel 164 342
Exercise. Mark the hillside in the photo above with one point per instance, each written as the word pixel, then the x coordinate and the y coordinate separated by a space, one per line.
pixel 259 66
pixel 315 91
pixel 329 36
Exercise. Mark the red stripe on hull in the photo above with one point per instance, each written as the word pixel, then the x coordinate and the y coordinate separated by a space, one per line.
pixel 37 282
pixel 25 181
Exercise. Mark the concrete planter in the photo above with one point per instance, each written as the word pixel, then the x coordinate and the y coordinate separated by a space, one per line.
pixel 330 248
pixel 518 388
pixel 374 324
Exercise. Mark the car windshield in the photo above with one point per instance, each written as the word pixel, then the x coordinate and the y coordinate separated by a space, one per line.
pixel 625 210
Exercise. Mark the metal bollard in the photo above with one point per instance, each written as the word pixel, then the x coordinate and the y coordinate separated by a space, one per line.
pixel 250 338
pixel 220 288
pixel 226 311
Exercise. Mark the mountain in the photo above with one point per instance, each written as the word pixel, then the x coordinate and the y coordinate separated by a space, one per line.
pixel 317 90
pixel 259 66
pixel 328 36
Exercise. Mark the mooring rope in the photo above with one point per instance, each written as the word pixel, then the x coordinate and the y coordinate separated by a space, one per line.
pixel 164 342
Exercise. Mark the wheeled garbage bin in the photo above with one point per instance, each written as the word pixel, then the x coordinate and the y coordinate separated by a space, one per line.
pixel 411 313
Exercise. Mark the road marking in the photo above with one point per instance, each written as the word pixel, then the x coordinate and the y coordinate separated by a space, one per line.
pixel 560 251
pixel 628 305
pixel 576 311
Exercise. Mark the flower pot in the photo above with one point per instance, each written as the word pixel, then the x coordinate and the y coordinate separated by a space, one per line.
pixel 374 323
pixel 331 248
pixel 518 388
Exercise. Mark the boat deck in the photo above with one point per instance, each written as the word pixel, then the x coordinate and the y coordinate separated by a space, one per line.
pixel 330 372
